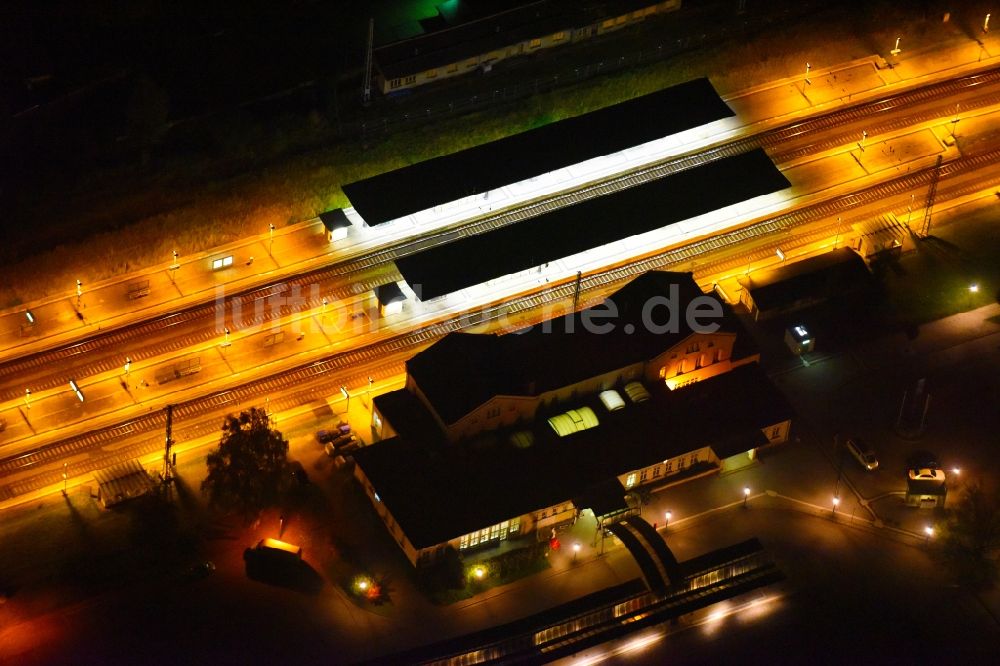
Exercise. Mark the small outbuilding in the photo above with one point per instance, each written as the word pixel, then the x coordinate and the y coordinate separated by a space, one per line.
pixel 122 482
pixel 390 299
pixel 926 493
pixel 804 283
pixel 799 339
pixel 885 236
pixel 336 223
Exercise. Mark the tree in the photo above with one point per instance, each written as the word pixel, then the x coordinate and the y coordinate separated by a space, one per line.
pixel 973 536
pixel 249 470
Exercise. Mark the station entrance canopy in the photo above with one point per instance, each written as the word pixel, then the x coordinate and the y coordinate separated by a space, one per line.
pixel 560 144
pixel 472 260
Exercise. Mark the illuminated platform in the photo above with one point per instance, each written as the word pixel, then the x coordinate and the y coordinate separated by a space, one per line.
pixel 590 224
pixel 482 169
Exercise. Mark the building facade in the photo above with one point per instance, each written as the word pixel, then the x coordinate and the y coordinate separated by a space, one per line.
pixel 476 46
pixel 502 437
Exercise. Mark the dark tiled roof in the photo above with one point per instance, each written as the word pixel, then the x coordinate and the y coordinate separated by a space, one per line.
pixel 334 219
pixel 439 491
pixel 813 279
pixel 472 260
pixel 536 151
pixel 389 293
pixel 462 370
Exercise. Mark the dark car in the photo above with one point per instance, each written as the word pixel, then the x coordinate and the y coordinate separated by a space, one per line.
pixel 324 436
pixel 922 460
pixel 199 571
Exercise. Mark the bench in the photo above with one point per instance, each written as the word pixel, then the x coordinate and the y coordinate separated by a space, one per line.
pixel 138 289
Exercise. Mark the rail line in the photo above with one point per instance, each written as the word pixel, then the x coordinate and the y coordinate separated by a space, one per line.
pixel 117 339
pixel 348 363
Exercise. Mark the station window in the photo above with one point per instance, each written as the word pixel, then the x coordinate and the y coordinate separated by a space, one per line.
pixel 630 480
pixel 430 73
pixel 515 526
pixel 559 36
pixel 642 476
pixel 411 79
pixel 693 347
pixel 394 84
pixel 453 67
pixel 608 23
pixel 656 471
pixel 535 43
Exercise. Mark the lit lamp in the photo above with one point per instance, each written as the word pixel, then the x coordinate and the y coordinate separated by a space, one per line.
pixel 479 572
pixel 956 471
pixel 973 290
pixel 746 495
pixel 836 503
pixel 347 396
pixel 929 531
pixel 666 519
pixel 576 549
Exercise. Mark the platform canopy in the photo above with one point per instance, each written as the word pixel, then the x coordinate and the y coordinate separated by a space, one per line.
pixel 589 224
pixel 537 151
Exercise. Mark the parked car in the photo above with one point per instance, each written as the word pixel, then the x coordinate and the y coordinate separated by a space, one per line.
pixel 922 459
pixel 199 571
pixel 324 436
pixel 926 474
pixel 862 453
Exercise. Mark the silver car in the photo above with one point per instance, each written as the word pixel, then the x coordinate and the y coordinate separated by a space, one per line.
pixel 862 453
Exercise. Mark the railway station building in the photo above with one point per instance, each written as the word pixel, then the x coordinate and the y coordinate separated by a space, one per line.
pixel 499 437
pixel 466 37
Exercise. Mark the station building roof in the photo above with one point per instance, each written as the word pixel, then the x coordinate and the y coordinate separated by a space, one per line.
pixel 438 491
pixel 564 350
pixel 816 278
pixel 488 166
pixel 589 224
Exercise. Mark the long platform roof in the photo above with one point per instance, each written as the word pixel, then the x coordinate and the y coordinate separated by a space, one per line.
pixel 486 167
pixel 476 259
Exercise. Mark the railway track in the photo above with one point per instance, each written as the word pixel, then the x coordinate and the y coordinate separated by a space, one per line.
pixel 346 367
pixel 111 343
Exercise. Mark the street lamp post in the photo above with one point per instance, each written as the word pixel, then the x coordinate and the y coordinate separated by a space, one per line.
pixel 808 67
pixel 347 397
pixel 836 503
pixel 973 290
pixel 666 519
pixel 896 50
pixel 225 341
pixel 65 477
pixel 79 292
pixel 746 495
pixel 836 239
pixel 986 24
pixel 128 365
pixel 27 398
pixel 929 531
pixel 576 550
pixel 861 144
pixel 270 242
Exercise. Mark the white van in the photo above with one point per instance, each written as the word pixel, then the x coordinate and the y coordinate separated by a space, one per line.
pixel 862 453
